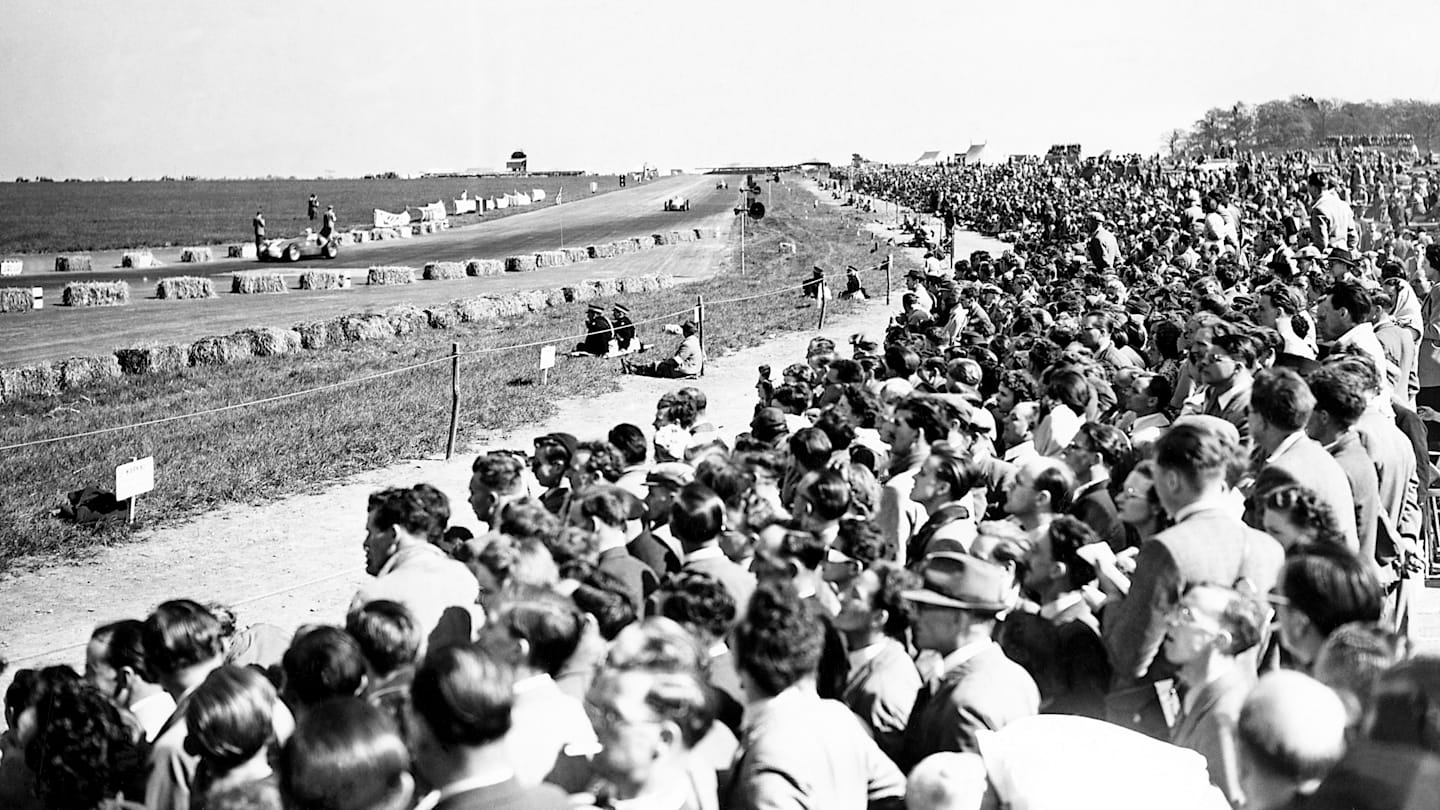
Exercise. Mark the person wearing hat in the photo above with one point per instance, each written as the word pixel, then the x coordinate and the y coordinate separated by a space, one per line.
pixel 688 361
pixel 975 687
pixel 656 546
pixel 769 427
pixel 624 328
pixel 1341 264
pixel 598 332
pixel 327 226
pixel 1102 247
pixel 915 283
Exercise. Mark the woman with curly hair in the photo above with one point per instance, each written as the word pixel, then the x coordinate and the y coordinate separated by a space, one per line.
pixel 82 749
pixel 229 717
pixel 1015 387
pixel 1297 517
pixel 883 681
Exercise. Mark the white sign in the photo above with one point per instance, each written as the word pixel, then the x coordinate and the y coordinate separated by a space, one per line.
pixel 547 357
pixel 135 478
pixel 37 297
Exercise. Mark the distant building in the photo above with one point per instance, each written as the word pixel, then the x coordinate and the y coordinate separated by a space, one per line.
pixel 517 162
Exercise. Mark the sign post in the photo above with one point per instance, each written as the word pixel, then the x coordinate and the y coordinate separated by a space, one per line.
pixel 454 401
pixel 547 362
pixel 133 480
pixel 889 258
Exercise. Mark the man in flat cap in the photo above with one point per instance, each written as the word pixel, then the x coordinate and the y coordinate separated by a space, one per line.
pixel 599 330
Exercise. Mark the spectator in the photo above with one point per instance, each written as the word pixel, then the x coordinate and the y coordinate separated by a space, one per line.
pixel 1320 589
pixel 182 647
pixel 82 749
pixel 115 664
pixel 389 639
pixel 1096 452
pixel 346 755
pixel 323 663
pixel 696 520
pixel 883 680
pixel 1291 733
pixel 230 721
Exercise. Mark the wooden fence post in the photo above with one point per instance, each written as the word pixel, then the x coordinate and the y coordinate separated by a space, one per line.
pixel 889 259
pixel 454 400
pixel 822 293
pixel 700 330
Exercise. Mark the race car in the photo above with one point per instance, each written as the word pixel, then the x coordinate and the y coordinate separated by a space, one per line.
pixel 722 185
pixel 295 248
pixel 677 204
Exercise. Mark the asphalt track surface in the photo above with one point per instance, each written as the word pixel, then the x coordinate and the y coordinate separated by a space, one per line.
pixel 57 332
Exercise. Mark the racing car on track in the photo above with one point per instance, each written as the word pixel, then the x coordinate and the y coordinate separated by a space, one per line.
pixel 677 204
pixel 295 248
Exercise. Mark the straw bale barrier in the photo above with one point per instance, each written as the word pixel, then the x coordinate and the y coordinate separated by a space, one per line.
pixel 605 251
pixel 357 237
pixel 634 284
pixel 138 259
pixel 381 275
pixel 507 306
pixel 605 287
pixel 185 287
pixel 29 382
pixel 519 264
pixel 220 350
pixel 11 267
pixel 576 255
pixel 363 326
pixel 325 280
pixel 643 242
pixel 96 294
pixel 443 271
pixel 154 359
pixel 576 293
pixel 533 300
pixel 244 250
pixel 444 316
pixel 83 372
pixel 477 310
pixel 661 239
pixel 268 341
pixel 313 334
pixel 555 298
pixel 257 282
pixel 403 232
pixel 72 264
pixel 624 246
pixel 551 258
pixel 196 255
pixel 484 267
pixel 404 319
pixel 707 233
pixel 16 299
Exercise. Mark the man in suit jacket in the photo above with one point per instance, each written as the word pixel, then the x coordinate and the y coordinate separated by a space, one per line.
pixel 917 423
pixel 1281 406
pixel 977 687
pixel 606 510
pixel 462 699
pixel 696 520
pixel 1092 455
pixel 1339 404
pixel 1208 543
pixel 798 750
pixel 1224 368
pixel 1209 627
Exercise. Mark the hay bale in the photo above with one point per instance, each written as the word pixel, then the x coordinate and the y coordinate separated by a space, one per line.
pixel 484 267
pixel 16 299
pixel 138 259
pixel 605 287
pixel 245 250
pixel 357 237
pixel 390 274
pixel 624 246
pixel 519 264
pixel 706 233
pixel 663 281
pixel 268 341
pixel 555 298
pixel 72 264
pixel 96 294
pixel 661 238
pixel 576 255
pixel 643 242
pixel 221 350
pixel 551 258
pixel 605 251
pixel 442 271
pixel 444 316
pixel 313 334
pixel 632 284
pixel 184 287
pixel 405 319
pixel 507 306
pixel 528 300
pixel 257 282
pixel 155 359
pixel 83 372
pixel 476 310
pixel 196 255
pixel 325 280
pixel 11 267
pixel 29 382
pixel 363 326
pixel 577 293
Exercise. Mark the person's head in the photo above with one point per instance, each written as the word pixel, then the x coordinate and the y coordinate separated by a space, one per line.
pixel 697 515
pixel 502 563
pixel 346 754
pixel 1042 486
pixel 944 477
pixel 1291 732
pixel 403 516
pixel 1095 331
pixel 810 448
pixel 1020 423
pixel 115 660
pixel 1339 403
pixel 1149 393
pixel 1228 358
pixel 663 483
pixel 79 746
pixel 1097 445
pixel 779 642
pixel 1053 564
pixel 180 637
pixel 630 441
pixel 1348 304
pixel 871 604
pixel 462 698
pixel 1067 387
pixel 916 422
pixel 594 463
pixel 228 718
pixel 1297 518
pixel 551 459
pixel 603 509
pixel 1280 404
pixel 858 543
pixel 322 662
pixel 1190 462
pixel 387 634
pixel 1406 705
pixel 821 499
pixel 698 602
pixel 494 476
pixel 960 597
pixel 1015 387
pixel 1211 620
pixel 1320 588
pixel 1352 660
pixel 646 720
pixel 950 781
pixel 534 629
pixel 1137 502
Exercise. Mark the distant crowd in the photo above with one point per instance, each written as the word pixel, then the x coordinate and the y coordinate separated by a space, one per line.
pixel 1128 516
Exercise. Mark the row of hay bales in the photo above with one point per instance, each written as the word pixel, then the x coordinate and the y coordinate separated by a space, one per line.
pixel 51 378
pixel 16 299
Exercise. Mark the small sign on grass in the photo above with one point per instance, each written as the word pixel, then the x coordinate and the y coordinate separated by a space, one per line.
pixel 134 479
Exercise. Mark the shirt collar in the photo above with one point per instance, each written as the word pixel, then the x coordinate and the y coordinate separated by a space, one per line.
pixel 1285 446
pixel 962 654
pixel 1062 603
pixel 1149 421
pixel 1203 505
pixel 1025 448
pixel 1241 385
pixel 710 552
pixel 408 553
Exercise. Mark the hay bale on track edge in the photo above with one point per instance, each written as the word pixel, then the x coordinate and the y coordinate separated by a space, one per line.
pixel 257 282
pixel 183 287
pixel 381 275
pixel 83 372
pixel 95 294
pixel 196 255
pixel 72 264
pixel 220 350
pixel 29 382
pixel 155 359
pixel 325 280
pixel 16 299
pixel 444 271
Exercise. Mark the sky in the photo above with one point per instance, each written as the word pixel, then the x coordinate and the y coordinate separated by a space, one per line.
pixel 144 88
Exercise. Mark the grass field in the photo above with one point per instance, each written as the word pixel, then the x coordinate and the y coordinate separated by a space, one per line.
pixel 256 453
pixel 56 217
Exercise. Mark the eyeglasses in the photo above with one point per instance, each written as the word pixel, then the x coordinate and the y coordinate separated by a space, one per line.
pixel 605 717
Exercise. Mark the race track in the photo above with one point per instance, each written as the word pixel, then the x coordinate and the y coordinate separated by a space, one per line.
pixel 58 332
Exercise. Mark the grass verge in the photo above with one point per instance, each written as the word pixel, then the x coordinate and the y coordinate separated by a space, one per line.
pixel 252 454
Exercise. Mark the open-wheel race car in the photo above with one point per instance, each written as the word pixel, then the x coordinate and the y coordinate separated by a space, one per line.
pixel 295 248
pixel 677 204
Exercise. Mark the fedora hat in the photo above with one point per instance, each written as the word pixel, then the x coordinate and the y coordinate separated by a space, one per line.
pixel 960 581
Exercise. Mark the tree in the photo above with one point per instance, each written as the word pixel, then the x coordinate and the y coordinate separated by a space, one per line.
pixel 1175 140
pixel 1281 125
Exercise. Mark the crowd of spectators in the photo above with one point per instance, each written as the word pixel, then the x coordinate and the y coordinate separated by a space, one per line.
pixel 1125 517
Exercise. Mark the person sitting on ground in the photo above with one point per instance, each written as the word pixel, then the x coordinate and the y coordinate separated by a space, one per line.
pixel 687 362
pixel 599 331
pixel 624 329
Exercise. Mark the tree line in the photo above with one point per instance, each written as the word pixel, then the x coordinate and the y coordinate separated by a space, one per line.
pixel 1305 122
